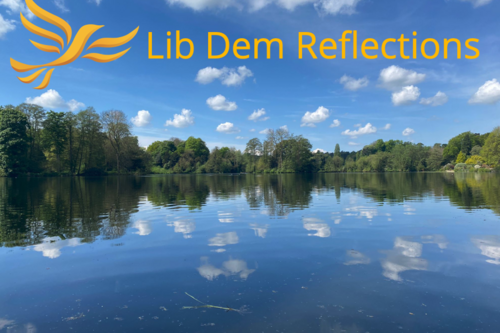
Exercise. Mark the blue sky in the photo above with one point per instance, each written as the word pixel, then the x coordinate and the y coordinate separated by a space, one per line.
pixel 353 111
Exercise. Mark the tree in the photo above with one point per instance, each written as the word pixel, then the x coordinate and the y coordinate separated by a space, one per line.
pixel 70 122
pixel 54 135
pixel 117 129
pixel 199 148
pixel 253 149
pixel 337 150
pixel 491 148
pixel 13 141
pixel 36 116
pixel 461 158
pixel 476 150
pixel 435 159
pixel 90 151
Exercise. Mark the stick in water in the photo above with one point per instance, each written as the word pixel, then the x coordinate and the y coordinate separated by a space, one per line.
pixel 241 311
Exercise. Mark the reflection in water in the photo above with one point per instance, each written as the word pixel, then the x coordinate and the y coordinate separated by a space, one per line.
pixel 183 226
pixel 409 210
pixel 12 327
pixel 32 209
pixel 314 224
pixel 360 212
pixel 260 229
pixel 356 258
pixel 5 323
pixel 440 240
pixel 404 256
pixel 231 267
pixel 228 238
pixel 489 246
pixel 143 227
pixel 225 217
pixel 51 246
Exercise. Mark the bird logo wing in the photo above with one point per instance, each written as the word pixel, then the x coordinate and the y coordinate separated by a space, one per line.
pixel 74 49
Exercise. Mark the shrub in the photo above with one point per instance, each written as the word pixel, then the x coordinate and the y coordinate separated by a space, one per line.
pixel 461 166
pixel 475 159
pixel 461 158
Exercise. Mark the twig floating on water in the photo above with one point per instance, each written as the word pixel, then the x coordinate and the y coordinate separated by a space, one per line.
pixel 241 310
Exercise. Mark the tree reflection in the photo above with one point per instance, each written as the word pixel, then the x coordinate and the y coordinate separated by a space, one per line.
pixel 34 210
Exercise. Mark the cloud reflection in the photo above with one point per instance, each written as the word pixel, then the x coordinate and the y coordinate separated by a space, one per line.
pixel 143 227
pixel 314 224
pixel 231 267
pixel 440 240
pixel 356 258
pixel 51 246
pixel 489 246
pixel 260 229
pixel 404 256
pixel 228 238
pixel 183 226
pixel 225 217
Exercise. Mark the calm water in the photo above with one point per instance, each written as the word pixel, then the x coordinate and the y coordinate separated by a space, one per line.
pixel 303 253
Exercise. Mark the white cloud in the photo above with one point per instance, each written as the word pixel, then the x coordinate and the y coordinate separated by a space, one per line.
pixel 284 127
pixel 265 131
pixel 394 77
pixel 219 103
pixel 488 93
pixel 241 138
pixel 353 144
pixel 312 118
pixel 357 125
pixel 386 127
pixel 228 76
pixel 367 129
pixel 252 130
pixel 142 119
pixel 258 115
pixel 182 120
pixel 352 84
pixel 6 25
pixel 332 7
pixel 336 123
pixel 52 100
pixel 16 6
pixel 477 3
pixel 61 5
pixel 408 131
pixel 405 96
pixel 319 150
pixel 227 128
pixel 437 100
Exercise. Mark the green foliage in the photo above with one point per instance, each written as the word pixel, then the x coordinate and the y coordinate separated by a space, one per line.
pixel 473 160
pixel 461 158
pixel 58 143
pixel 337 150
pixel 491 148
pixel 476 150
pixel 13 141
pixel 463 143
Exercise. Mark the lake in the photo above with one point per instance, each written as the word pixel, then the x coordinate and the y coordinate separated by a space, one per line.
pixel 394 252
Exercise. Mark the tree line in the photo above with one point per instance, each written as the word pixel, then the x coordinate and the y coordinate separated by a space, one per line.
pixel 36 141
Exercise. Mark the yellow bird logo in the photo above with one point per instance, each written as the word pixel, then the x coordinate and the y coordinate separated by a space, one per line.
pixel 72 52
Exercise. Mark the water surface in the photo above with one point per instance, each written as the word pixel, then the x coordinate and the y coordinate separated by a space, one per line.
pixel 394 252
